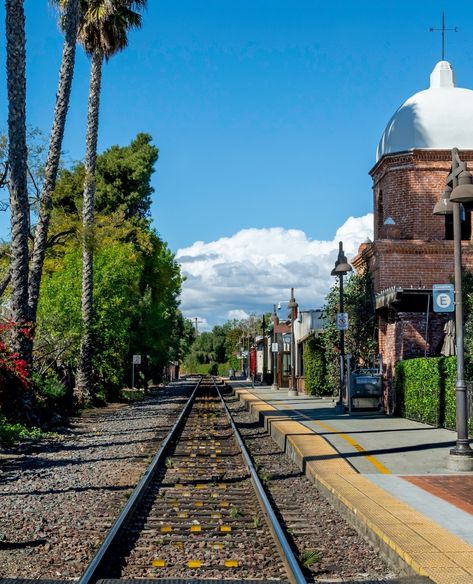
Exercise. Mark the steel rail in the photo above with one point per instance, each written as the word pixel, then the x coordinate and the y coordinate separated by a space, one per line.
pixel 92 572
pixel 289 559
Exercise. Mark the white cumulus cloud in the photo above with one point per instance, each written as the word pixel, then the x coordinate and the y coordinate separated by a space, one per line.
pixel 255 268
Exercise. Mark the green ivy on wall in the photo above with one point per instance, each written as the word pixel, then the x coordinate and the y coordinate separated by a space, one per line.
pixel 315 367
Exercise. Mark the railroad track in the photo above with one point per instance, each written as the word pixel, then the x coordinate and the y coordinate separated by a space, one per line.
pixel 200 511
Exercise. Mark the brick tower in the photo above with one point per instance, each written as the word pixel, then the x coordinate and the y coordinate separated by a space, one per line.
pixel 412 248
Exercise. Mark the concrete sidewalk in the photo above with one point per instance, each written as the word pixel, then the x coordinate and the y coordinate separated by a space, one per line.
pixel 387 475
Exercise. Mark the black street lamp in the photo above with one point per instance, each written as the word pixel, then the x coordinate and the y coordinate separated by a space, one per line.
pixel 248 372
pixel 342 267
pixel 292 304
pixel 275 319
pixel 459 190
pixel 263 329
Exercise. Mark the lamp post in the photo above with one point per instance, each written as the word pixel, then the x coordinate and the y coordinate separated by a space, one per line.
pixel 459 190
pixel 292 304
pixel 241 341
pixel 248 372
pixel 342 267
pixel 275 319
pixel 263 329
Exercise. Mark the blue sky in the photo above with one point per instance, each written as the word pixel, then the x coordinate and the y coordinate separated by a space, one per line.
pixel 267 113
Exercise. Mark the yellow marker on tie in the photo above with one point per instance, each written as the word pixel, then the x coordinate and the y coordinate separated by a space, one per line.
pixel 225 528
pixel 194 564
pixel 158 563
pixel 231 563
pixel 166 529
pixel 196 528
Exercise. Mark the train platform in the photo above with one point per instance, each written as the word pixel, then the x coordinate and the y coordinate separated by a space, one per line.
pixel 387 475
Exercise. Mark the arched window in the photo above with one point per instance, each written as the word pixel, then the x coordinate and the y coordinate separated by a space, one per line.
pixel 380 211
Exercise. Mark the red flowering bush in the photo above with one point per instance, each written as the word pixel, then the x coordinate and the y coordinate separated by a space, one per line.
pixel 15 379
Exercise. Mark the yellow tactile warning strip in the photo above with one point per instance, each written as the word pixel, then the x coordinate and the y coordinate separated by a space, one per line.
pixel 429 550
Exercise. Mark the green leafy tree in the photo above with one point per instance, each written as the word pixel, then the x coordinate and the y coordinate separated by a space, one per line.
pixel 116 297
pixel 153 332
pixel 151 282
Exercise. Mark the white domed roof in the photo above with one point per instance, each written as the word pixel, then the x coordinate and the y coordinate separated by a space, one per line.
pixel 440 117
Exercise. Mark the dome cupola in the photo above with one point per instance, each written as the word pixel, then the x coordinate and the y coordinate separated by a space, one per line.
pixel 438 118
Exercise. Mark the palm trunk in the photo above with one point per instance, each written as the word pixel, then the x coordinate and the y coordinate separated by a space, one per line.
pixel 84 391
pixel 71 20
pixel 17 159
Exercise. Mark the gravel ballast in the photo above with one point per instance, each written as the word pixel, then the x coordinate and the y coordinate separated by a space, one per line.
pixel 59 497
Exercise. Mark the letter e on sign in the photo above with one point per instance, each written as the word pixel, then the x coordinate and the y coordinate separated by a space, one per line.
pixel 443 297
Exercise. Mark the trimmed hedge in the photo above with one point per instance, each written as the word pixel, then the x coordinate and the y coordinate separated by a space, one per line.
pixel 425 390
pixel 418 384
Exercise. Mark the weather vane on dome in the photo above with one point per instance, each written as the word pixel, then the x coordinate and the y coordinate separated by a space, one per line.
pixel 443 29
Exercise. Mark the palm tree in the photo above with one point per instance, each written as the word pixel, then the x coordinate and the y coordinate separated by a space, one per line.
pixel 103 32
pixel 69 20
pixel 17 162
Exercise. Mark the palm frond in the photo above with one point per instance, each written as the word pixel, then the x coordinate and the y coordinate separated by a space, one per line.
pixel 105 24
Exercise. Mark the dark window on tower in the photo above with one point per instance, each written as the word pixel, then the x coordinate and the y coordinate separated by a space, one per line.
pixel 466 226
pixel 380 210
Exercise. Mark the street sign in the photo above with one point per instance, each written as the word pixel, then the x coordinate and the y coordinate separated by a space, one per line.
pixel 342 321
pixel 136 359
pixel 444 297
pixel 274 347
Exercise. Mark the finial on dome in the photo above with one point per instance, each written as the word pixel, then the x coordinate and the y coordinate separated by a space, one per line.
pixel 443 75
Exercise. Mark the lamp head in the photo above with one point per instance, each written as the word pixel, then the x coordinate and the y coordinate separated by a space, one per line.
pixel 463 193
pixel 444 206
pixel 341 264
pixel 292 302
pixel 343 267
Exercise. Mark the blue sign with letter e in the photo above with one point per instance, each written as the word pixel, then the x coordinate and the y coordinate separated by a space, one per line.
pixel 444 297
